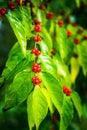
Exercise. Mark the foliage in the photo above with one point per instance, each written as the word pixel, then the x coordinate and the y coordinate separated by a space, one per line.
pixel 60 58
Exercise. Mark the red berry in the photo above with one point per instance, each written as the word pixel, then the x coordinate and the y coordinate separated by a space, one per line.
pixel 37 39
pixel 50 15
pixel 80 30
pixel 36 80
pixel 35 51
pixel 53 51
pixel 67 91
pixel 42 7
pixel 60 23
pixel 69 33
pixel 3 11
pixel 74 24
pixel 37 22
pixel 37 28
pixel 76 41
pixel 36 68
pixel 85 37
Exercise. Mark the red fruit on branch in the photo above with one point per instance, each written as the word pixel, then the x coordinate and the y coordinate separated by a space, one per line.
pixel 37 28
pixel 69 33
pixel 37 21
pixel 37 39
pixel 35 51
pixel 67 90
pixel 80 30
pixel 85 37
pixel 11 5
pixel 53 51
pixel 74 24
pixel 76 41
pixel 36 68
pixel 36 80
pixel 60 23
pixel 42 7
pixel 50 15
pixel 3 11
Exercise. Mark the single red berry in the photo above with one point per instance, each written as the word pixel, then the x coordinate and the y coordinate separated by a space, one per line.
pixel 85 37
pixel 74 24
pixel 60 23
pixel 37 28
pixel 76 41
pixel 53 51
pixel 42 7
pixel 69 33
pixel 50 15
pixel 80 30
pixel 37 21
pixel 37 39
pixel 68 92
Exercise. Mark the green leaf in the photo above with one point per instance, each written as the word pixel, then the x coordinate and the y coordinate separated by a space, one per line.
pixel 64 43
pixel 47 65
pixel 31 121
pixel 26 20
pixel 36 3
pixel 53 87
pixel 18 28
pixel 82 51
pixel 75 68
pixel 18 91
pixel 46 94
pixel 62 70
pixel 78 3
pixel 16 64
pixel 77 103
pixel 40 106
pixel 67 113
pixel 44 48
pixel 47 38
pixel 37 107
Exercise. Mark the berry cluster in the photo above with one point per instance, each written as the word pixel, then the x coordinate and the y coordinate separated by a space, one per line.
pixel 36 68
pixel 11 5
pixel 35 51
pixel 25 2
pixel 85 37
pixel 76 41
pixel 68 33
pixel 37 39
pixel 36 80
pixel 37 22
pixel 60 23
pixel 67 91
pixel 37 28
pixel 3 11
pixel 50 15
